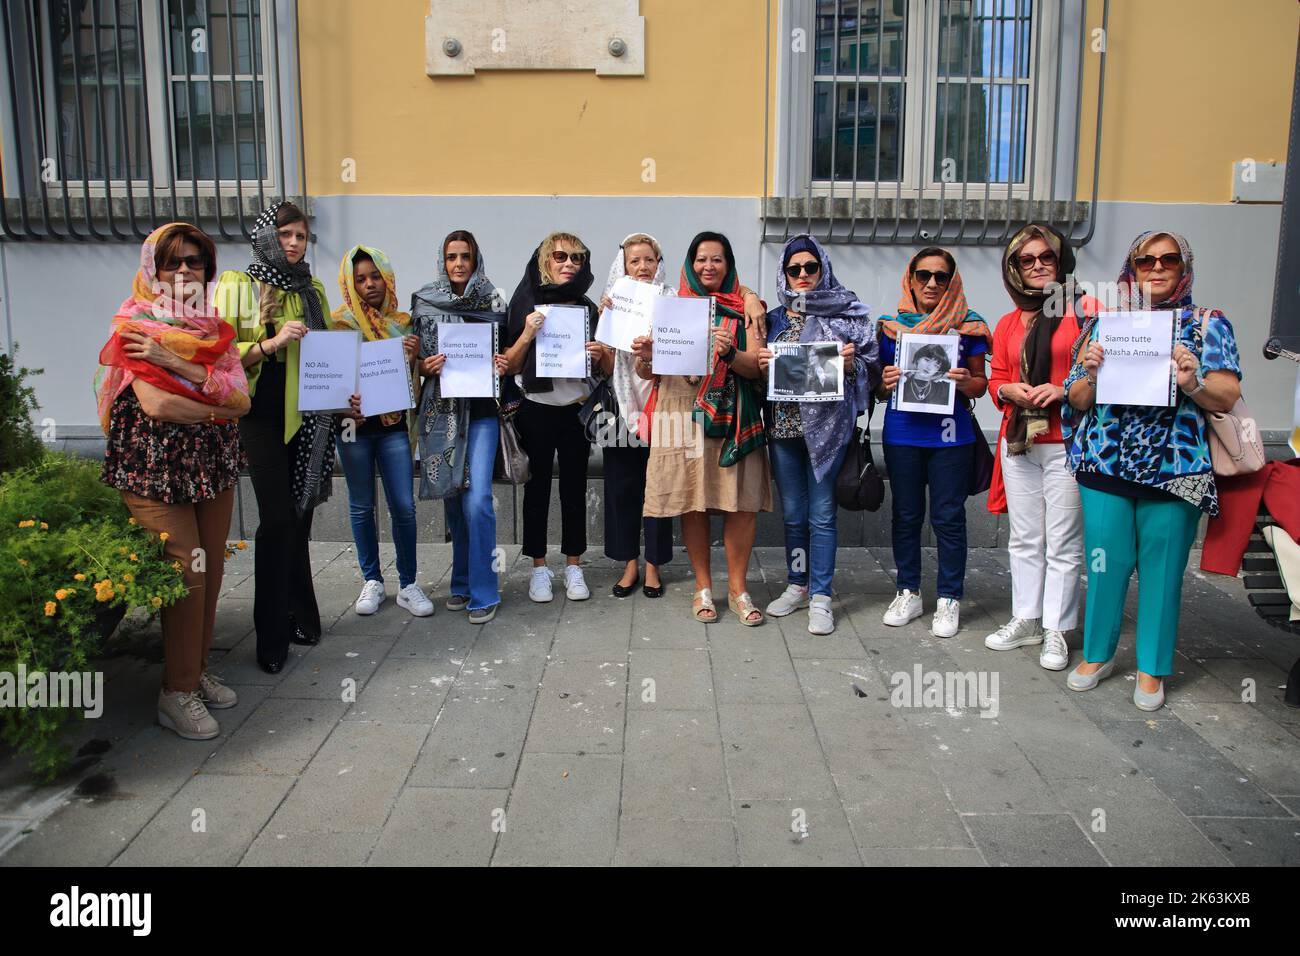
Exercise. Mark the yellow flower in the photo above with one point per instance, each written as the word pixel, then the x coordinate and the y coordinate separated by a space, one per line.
pixel 156 601
pixel 128 577
pixel 44 526
pixel 23 562
pixel 243 545
pixel 50 608
pixel 131 520
pixel 176 565
pixel 134 558
pixel 62 593
pixel 164 536
pixel 79 577
pixel 104 590
pixel 26 524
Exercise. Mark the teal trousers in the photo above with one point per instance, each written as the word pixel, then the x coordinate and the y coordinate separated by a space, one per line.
pixel 1154 538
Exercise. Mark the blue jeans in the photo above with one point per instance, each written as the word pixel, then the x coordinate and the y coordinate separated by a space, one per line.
pixel 391 451
pixel 473 521
pixel 810 514
pixel 946 473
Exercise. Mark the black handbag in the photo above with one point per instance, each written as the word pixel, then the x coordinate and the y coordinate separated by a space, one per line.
pixel 858 486
pixel 981 465
pixel 599 414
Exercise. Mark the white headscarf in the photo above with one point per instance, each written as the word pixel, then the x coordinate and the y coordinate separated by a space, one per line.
pixel 631 390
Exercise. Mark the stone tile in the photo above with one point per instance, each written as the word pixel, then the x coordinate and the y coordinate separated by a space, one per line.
pixel 767 835
pixel 1058 740
pixel 229 810
pixel 404 691
pixel 432 827
pixel 936 856
pixel 752 666
pixel 277 846
pixel 682 679
pixel 239 664
pixel 673 767
pixel 1265 752
pixel 772 753
pixel 894 799
pixel 676 843
pixel 580 708
pixel 849 726
pixel 280 737
pixel 322 673
pixel 563 812
pixel 1254 842
pixel 1032 839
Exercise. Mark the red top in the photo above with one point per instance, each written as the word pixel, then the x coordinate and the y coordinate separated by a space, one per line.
pixel 1005 369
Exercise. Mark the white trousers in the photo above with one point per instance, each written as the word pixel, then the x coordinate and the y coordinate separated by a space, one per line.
pixel 1046 540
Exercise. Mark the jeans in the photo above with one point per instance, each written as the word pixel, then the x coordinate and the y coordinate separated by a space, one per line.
pixel 472 520
pixel 946 473
pixel 391 451
pixel 810 514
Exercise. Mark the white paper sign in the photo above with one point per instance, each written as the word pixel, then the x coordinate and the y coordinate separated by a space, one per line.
pixel 630 316
pixel 384 378
pixel 805 372
pixel 468 372
pixel 562 342
pixel 681 335
pixel 925 361
pixel 1136 369
pixel 327 370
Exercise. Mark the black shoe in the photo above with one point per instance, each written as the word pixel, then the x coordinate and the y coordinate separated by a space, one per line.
pixel 653 592
pixel 270 667
pixel 302 637
pixel 622 592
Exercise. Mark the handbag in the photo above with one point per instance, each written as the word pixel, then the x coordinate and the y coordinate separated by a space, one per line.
pixel 511 465
pixel 599 414
pixel 1233 436
pixel 981 464
pixel 858 486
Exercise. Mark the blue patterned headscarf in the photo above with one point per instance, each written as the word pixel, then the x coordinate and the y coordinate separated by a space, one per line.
pixel 828 298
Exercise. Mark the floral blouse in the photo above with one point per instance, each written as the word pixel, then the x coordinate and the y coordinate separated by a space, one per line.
pixel 163 461
pixel 1158 447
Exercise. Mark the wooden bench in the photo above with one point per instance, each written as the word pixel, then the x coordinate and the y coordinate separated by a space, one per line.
pixel 1259 573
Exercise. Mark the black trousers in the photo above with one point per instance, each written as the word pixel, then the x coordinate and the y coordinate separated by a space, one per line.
pixel 545 430
pixel 624 502
pixel 281 561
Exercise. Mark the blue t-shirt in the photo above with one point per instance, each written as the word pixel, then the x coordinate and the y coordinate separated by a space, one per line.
pixel 923 429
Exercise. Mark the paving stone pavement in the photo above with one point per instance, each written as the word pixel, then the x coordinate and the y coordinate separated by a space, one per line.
pixel 622 732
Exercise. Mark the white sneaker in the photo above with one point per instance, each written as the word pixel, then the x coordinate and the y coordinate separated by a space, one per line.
pixel 790 600
pixel 575 585
pixel 821 620
pixel 905 607
pixel 372 595
pixel 947 617
pixel 539 589
pixel 1056 654
pixel 1016 633
pixel 413 598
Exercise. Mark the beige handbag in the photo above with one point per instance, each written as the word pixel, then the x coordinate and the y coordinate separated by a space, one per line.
pixel 1235 445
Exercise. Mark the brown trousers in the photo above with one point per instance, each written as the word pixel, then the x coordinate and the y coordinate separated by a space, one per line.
pixel 188 624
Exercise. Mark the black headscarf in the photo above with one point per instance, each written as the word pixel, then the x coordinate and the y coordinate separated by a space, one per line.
pixel 531 293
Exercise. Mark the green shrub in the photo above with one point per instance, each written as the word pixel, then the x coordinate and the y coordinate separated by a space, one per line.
pixel 19 445
pixel 69 553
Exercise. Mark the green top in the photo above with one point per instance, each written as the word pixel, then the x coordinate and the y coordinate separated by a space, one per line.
pixel 237 302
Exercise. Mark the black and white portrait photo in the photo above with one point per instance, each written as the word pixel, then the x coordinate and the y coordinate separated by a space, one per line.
pixel 925 387
pixel 806 372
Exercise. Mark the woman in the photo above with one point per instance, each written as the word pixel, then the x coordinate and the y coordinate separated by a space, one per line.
pixel 369 291
pixel 808 439
pixel 171 388
pixel 458 436
pixel 626 458
pixel 932 452
pixel 558 273
pixel 1144 472
pixel 707 437
pixel 1031 484
pixel 290 455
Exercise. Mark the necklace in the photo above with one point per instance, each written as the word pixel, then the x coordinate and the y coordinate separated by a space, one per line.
pixel 921 388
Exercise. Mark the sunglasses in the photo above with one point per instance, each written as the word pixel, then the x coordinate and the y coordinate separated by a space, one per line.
pixel 1168 260
pixel 1047 258
pixel 559 257
pixel 807 268
pixel 193 263
pixel 925 275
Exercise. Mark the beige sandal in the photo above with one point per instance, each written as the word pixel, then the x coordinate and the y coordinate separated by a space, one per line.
pixel 744 607
pixel 702 607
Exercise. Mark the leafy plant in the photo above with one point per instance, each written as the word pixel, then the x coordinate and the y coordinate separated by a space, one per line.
pixel 19 444
pixel 70 553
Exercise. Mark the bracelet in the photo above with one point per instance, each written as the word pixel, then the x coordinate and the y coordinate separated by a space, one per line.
pixel 728 355
pixel 1090 380
pixel 262 348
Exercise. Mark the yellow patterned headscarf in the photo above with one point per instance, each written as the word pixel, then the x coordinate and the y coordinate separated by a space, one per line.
pixel 382 323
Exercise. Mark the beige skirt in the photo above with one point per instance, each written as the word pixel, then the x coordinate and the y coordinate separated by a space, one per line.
pixel 684 474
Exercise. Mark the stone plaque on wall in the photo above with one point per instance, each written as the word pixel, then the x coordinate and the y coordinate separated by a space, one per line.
pixel 462 36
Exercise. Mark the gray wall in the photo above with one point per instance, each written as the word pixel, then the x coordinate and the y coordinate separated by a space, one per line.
pixel 57 298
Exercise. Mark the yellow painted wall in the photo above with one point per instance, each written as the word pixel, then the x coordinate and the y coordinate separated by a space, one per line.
pixel 697 112
pixel 1191 87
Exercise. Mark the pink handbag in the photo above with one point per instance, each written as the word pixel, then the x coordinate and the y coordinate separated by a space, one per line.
pixel 1235 445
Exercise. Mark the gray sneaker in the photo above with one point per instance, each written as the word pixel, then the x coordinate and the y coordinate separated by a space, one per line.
pixel 483 614
pixel 214 694
pixel 457 602
pixel 186 715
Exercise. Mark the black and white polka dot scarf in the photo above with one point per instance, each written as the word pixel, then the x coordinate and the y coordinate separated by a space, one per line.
pixel 312 448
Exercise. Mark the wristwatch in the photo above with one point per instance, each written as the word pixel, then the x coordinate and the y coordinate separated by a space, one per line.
pixel 1200 385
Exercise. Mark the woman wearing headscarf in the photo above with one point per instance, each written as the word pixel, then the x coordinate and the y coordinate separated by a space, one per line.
pixel 369 291
pixel 1144 472
pixel 808 439
pixel 625 458
pixel 707 435
pixel 929 452
pixel 458 437
pixel 272 306
pixel 169 392
pixel 558 273
pixel 1031 357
